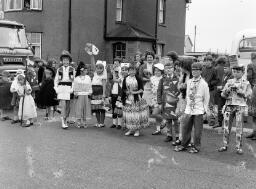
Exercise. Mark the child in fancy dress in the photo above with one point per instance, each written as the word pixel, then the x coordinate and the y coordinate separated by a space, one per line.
pixel 47 96
pixel 167 98
pixel 27 108
pixel 155 79
pixel 98 97
pixel 82 91
pixel 236 91
pixel 63 86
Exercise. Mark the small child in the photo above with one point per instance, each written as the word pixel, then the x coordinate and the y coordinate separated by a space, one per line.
pixel 99 91
pixel 27 107
pixel 115 93
pixel 15 97
pixel 167 98
pixel 82 90
pixel 236 92
pixel 4 86
pixel 47 96
pixel 155 79
pixel 147 93
pixel 63 86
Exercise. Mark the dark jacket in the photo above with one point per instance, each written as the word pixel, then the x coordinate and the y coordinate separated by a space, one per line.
pixel 251 74
pixel 210 76
pixel 124 90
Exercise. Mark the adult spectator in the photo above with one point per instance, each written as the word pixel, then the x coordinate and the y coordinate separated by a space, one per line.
pixel 148 65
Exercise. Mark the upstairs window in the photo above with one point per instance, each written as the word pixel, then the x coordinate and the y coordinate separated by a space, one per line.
pixel 119 10
pixel 162 10
pixel 13 5
pixel 119 50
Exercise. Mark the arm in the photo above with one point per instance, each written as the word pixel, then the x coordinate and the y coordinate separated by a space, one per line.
pixel 250 74
pixel 93 62
pixel 56 80
pixel 104 82
pixel 206 97
pixel 226 90
pixel 160 92
pixel 215 80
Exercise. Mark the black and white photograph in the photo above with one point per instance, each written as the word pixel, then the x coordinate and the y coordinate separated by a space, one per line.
pixel 127 94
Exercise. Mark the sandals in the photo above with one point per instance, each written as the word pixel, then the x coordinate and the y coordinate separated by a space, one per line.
pixel 157 132
pixel 193 150
pixel 223 149
pixel 180 149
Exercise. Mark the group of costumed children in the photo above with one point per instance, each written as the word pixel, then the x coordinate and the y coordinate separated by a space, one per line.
pixel 159 93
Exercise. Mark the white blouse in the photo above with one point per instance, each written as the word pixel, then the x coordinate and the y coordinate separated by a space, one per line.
pixel 97 79
pixel 82 85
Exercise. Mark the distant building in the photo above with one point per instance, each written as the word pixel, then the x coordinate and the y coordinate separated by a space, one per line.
pixel 117 27
pixel 188 45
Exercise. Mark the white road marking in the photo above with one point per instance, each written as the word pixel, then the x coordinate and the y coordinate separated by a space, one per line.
pixel 30 161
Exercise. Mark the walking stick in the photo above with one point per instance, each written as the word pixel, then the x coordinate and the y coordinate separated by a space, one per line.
pixel 25 82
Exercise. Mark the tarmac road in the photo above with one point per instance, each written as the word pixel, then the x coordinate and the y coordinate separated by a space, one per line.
pixel 46 156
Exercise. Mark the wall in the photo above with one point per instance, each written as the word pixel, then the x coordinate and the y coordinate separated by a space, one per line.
pixel 173 33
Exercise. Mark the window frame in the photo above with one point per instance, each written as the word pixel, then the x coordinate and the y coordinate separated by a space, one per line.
pixel 121 50
pixel 7 2
pixel 163 11
pixel 40 5
pixel 161 47
pixel 119 8
pixel 35 44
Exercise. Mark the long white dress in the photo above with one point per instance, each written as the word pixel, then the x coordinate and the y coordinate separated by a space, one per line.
pixel 29 110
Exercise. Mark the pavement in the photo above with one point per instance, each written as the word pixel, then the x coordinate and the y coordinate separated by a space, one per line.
pixel 46 156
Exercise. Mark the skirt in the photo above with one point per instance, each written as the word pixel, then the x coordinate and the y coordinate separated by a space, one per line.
pixel 96 100
pixel 135 115
pixel 148 96
pixel 82 107
pixel 252 103
pixel 64 91
pixel 29 109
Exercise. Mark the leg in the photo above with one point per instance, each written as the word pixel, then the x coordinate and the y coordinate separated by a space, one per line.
pixel 97 112
pixel 119 122
pixel 253 134
pixel 169 131
pixel 174 128
pixel 239 127
pixel 221 103
pixel 102 117
pixel 198 128
pixel 227 125
pixel 186 131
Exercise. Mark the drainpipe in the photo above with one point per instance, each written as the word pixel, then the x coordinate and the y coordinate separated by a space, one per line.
pixel 156 26
pixel 105 18
pixel 69 25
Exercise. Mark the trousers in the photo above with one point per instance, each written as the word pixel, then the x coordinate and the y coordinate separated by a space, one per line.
pixel 231 113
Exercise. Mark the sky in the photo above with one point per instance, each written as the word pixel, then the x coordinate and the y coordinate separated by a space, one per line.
pixel 218 21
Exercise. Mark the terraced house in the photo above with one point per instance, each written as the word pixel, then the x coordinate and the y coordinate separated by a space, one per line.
pixel 116 27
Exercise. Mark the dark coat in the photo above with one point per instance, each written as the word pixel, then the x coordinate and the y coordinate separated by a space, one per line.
pixel 124 90
pixel 210 76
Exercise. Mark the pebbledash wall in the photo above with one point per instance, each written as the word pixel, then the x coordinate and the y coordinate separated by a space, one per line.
pixel 93 21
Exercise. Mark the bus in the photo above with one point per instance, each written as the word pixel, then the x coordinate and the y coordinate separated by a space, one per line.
pixel 243 45
pixel 15 52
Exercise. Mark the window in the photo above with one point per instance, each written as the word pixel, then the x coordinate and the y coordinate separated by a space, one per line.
pixel 13 5
pixel 160 49
pixel 162 10
pixel 119 10
pixel 35 40
pixel 248 45
pixel 23 4
pixel 119 50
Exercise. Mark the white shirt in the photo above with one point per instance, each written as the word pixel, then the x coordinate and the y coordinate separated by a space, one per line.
pixel 82 85
pixel 65 76
pixel 150 68
pixel 201 97
pixel 97 79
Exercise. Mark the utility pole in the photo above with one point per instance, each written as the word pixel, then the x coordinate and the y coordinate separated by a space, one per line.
pixel 69 25
pixel 195 40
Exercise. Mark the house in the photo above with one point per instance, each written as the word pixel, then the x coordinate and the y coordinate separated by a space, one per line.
pixel 119 28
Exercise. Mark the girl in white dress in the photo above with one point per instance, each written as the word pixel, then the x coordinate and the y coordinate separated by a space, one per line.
pixel 28 111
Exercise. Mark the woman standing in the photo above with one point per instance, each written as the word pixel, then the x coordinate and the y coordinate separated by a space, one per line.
pixel 135 110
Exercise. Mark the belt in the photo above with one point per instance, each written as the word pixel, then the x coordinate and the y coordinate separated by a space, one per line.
pixel 65 83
